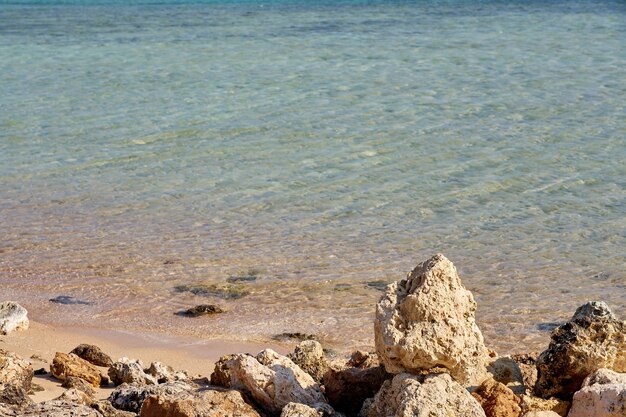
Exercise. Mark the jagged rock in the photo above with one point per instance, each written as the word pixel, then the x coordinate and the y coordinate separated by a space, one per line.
pixel 13 317
pixel 15 371
pixel 272 381
pixel 309 356
pixel 347 387
pixel 163 373
pixel 131 372
pixel 107 410
pixel 201 310
pixel 528 367
pixel 207 403
pixel 594 338
pixel 299 410
pixel 604 376
pixel 506 371
pixel 76 396
pixel 65 365
pixel 530 403
pixel 600 400
pixel 427 321
pixel 221 375
pixel 541 414
pixel 359 359
pixel 92 354
pixel 58 408
pixel 79 384
pixel 497 399
pixel 130 397
pixel 438 395
pixel 14 395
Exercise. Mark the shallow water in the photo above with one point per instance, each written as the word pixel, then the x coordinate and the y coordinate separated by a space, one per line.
pixel 320 150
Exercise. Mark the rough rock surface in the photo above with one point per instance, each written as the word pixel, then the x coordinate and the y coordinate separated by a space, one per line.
pixel 79 384
pixel 428 320
pixel 14 395
pixel 65 365
pixel 438 395
pixel 600 400
pixel 604 376
pixel 594 338
pixel 541 414
pixel 309 356
pixel 12 317
pixel 164 373
pixel 92 354
pixel 347 387
pixel 131 372
pixel 130 397
pixel 15 371
pixel 528 367
pixel 506 371
pixel 76 396
pixel 272 381
pixel 53 408
pixel 299 410
pixel 107 410
pixel 207 403
pixel 530 403
pixel 221 375
pixel 497 399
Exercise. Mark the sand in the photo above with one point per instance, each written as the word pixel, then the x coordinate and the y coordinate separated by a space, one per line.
pixel 197 356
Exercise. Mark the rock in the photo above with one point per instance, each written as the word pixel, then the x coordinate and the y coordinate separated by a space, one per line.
pixel 208 403
pixel 221 375
pixel 60 408
pixel 506 371
pixel 359 358
pixel 131 372
pixel 79 384
pixel 528 367
pixel 13 317
pixel 530 403
pixel 15 371
pixel 291 336
pixel 107 410
pixel 497 399
pixel 92 354
pixel 427 321
pixel 438 395
pixel 201 310
pixel 66 299
pixel 65 365
pixel 309 356
pixel 15 395
pixel 594 338
pixel 130 397
pixel 541 414
pixel 163 373
pixel 600 400
pixel 299 410
pixel 76 396
pixel 347 387
pixel 604 376
pixel 272 381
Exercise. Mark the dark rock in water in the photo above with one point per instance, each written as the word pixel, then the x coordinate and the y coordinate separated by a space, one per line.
pixel 548 326
pixel 288 336
pixel 201 310
pixel 66 299
pixel 250 276
pixel 92 354
pixel 377 284
pixel 229 291
pixel 342 287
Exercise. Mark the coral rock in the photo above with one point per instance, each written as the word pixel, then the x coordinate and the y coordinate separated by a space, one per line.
pixel 309 356
pixel 428 320
pixel 64 365
pixel 12 317
pixel 131 372
pixel 497 399
pixel 92 354
pixel 594 338
pixel 209 403
pixel 15 371
pixel 438 395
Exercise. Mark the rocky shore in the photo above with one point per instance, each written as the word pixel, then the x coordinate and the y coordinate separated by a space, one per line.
pixel 430 359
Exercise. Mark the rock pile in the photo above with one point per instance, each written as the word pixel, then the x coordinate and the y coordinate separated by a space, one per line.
pixel 430 360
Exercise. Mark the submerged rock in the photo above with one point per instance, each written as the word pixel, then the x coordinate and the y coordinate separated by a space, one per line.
pixel 594 338
pixel 289 336
pixel 64 366
pixel 201 310
pixel 427 321
pixel 13 317
pixel 207 403
pixel 227 291
pixel 66 299
pixel 92 354
pixel 130 371
pixel 309 356
pixel 15 371
pixel 438 395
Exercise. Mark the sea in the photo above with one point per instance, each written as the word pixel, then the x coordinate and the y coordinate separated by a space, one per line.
pixel 286 159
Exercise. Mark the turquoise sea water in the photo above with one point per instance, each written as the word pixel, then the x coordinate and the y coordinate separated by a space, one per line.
pixel 323 148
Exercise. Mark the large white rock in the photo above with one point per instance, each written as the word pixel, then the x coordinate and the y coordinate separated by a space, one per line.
pixel 273 381
pixel 428 320
pixel 601 400
pixel 12 317
pixel 604 376
pixel 438 395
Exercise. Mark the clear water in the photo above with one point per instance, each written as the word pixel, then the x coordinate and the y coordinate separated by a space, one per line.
pixel 322 147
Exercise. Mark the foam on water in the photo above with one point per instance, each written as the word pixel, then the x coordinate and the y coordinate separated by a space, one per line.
pixel 327 147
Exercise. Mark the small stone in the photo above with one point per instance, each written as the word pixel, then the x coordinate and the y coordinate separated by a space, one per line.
pixel 131 372
pixel 66 299
pixel 497 399
pixel 309 356
pixel 93 354
pixel 40 371
pixel 13 317
pixel 65 365
pixel 201 310
pixel 79 384
pixel 76 396
pixel 15 371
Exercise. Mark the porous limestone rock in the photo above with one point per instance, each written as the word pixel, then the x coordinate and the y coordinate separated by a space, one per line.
pixel 557 405
pixel 15 371
pixel 130 371
pixel 438 395
pixel 207 403
pixel 506 371
pixel 428 320
pixel 221 375
pixel 60 408
pixel 299 410
pixel 594 338
pixel 65 365
pixel 76 396
pixel 347 386
pixel 130 397
pixel 92 354
pixel 497 399
pixel 604 376
pixel 309 356
pixel 12 317
pixel 528 368
pixel 164 373
pixel 105 408
pixel 15 396
pixel 600 400
pixel 541 414
pixel 272 380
